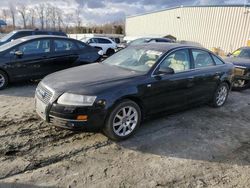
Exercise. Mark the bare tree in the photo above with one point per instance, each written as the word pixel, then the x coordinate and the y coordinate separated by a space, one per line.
pixel 5 14
pixel 40 9
pixel 23 11
pixel 13 14
pixel 78 17
pixel 32 14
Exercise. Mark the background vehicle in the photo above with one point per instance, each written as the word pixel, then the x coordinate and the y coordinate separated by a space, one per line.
pixel 36 56
pixel 105 44
pixel 24 33
pixel 148 40
pixel 136 82
pixel 241 59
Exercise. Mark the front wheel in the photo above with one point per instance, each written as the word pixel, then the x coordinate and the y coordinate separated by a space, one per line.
pixel 220 95
pixel 123 120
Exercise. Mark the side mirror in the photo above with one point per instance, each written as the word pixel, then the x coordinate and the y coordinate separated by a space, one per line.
pixel 18 53
pixel 165 70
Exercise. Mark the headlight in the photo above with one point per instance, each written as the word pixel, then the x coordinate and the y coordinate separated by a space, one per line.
pixel 76 100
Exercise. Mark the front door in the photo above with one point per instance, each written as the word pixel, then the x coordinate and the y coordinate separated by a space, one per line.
pixel 28 59
pixel 170 91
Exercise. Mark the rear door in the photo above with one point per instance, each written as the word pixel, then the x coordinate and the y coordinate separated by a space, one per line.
pixel 206 75
pixel 65 54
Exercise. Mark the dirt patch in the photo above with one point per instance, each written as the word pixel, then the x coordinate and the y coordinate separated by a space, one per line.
pixel 201 147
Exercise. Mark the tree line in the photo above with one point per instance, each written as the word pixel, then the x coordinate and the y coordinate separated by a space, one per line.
pixel 45 16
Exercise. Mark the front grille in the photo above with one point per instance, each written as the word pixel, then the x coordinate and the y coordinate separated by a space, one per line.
pixel 44 94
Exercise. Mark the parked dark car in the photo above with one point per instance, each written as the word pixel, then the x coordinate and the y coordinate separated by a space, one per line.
pixel 24 33
pixel 148 40
pixel 140 41
pixel 241 59
pixel 34 57
pixel 135 83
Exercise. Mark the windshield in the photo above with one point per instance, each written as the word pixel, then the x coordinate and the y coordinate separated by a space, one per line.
pixel 243 53
pixel 135 59
pixel 6 37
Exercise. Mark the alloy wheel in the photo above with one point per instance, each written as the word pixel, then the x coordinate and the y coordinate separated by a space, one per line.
pixel 221 95
pixel 2 80
pixel 125 121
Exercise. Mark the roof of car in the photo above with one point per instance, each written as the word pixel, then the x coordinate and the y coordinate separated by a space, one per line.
pixel 35 30
pixel 163 46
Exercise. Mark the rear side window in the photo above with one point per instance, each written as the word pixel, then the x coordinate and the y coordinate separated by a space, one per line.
pixel 202 59
pixel 64 45
pixel 35 47
pixel 217 60
pixel 81 45
pixel 103 41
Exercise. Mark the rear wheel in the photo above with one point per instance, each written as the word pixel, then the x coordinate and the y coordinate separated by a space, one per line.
pixel 110 52
pixel 220 95
pixel 3 80
pixel 123 120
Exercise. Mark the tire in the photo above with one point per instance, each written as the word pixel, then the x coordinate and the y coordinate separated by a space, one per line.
pixel 220 95
pixel 120 126
pixel 4 81
pixel 110 52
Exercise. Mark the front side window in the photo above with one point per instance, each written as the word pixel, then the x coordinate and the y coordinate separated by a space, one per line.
pixel 202 59
pixel 64 45
pixel 35 47
pixel 135 59
pixel 179 61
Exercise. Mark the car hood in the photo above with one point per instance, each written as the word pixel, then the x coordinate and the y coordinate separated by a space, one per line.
pixel 87 79
pixel 239 61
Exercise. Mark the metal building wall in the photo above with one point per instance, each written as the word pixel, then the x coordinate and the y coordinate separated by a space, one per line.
pixel 227 27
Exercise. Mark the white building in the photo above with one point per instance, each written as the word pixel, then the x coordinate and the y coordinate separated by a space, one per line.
pixel 226 27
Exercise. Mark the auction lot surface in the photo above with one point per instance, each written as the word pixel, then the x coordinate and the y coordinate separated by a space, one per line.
pixel 201 147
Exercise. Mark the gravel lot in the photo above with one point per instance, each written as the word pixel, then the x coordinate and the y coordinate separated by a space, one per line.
pixel 201 147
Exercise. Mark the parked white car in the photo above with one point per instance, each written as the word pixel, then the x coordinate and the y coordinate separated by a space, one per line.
pixel 103 43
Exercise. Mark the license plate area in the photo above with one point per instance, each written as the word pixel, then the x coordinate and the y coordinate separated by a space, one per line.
pixel 41 109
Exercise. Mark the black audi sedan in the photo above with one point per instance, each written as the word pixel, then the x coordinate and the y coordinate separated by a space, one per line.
pixel 241 59
pixel 34 57
pixel 137 82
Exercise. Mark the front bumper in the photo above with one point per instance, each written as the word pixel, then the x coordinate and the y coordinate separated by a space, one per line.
pixel 66 116
pixel 241 77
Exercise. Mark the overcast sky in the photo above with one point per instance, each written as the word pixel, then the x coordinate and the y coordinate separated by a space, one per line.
pixel 103 11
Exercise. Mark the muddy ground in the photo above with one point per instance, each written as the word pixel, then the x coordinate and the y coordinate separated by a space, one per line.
pixel 201 147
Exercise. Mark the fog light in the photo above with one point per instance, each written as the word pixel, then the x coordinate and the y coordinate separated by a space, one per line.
pixel 82 117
